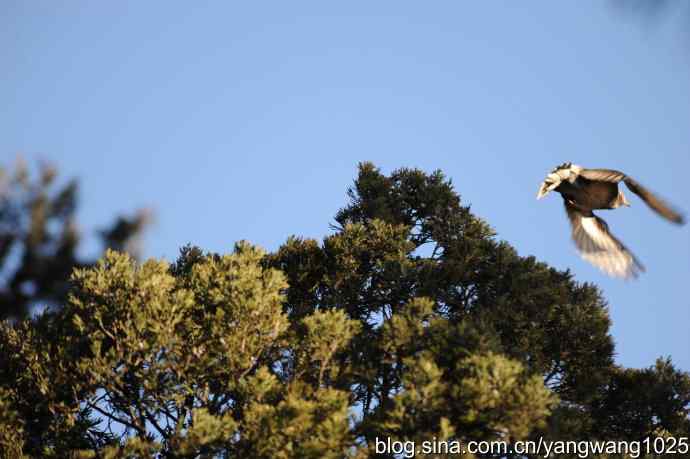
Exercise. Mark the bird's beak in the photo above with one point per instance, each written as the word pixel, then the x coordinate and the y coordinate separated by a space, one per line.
pixel 543 190
pixel 550 183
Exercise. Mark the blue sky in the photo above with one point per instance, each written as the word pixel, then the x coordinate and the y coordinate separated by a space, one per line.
pixel 245 120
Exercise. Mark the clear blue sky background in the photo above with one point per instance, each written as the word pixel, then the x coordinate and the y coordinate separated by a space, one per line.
pixel 245 120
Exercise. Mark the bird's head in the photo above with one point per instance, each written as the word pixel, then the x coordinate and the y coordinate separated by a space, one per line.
pixel 566 171
pixel 562 166
pixel 546 187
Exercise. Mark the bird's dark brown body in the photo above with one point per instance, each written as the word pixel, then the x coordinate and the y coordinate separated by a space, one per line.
pixel 590 195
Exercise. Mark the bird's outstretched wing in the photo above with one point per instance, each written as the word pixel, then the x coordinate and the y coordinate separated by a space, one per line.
pixel 602 175
pixel 653 201
pixel 598 246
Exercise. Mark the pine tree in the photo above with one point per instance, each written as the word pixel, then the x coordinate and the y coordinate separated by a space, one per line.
pixel 410 322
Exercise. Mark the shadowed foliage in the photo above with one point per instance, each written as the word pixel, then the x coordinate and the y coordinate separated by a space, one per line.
pixel 39 238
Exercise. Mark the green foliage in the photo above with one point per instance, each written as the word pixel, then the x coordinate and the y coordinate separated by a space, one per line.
pixel 497 395
pixel 39 238
pixel 411 321
pixel 306 423
pixel 179 360
pixel 11 429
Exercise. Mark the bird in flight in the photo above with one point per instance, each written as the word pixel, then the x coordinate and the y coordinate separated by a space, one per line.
pixel 584 190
